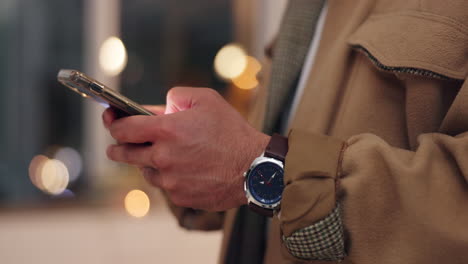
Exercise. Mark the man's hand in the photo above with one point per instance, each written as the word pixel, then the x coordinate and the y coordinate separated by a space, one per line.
pixel 198 151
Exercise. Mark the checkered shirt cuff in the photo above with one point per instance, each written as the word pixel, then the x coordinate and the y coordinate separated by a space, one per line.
pixel 323 240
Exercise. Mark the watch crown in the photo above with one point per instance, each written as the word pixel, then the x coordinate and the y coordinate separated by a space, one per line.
pixel 245 174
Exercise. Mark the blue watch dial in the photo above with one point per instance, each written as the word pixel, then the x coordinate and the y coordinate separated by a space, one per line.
pixel 265 183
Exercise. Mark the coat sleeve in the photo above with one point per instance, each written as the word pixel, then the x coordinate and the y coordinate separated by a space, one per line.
pixel 396 203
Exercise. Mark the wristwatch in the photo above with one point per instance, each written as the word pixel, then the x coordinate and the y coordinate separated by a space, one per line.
pixel 263 183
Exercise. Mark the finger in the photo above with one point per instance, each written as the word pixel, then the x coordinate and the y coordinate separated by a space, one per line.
pixel 156 109
pixel 108 116
pixel 138 129
pixel 133 154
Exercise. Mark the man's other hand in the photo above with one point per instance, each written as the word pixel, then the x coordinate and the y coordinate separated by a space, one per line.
pixel 198 149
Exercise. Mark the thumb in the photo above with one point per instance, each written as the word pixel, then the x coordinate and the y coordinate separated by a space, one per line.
pixel 184 98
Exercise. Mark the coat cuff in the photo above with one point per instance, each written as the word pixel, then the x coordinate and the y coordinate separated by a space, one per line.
pixel 312 167
pixel 311 179
pixel 323 240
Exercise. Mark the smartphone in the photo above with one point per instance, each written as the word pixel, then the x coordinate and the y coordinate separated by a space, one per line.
pixel 90 88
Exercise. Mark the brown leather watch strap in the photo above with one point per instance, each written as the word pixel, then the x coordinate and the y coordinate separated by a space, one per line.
pixel 277 148
pixel 261 210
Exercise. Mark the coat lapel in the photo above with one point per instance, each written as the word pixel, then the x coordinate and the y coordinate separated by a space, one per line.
pixel 291 47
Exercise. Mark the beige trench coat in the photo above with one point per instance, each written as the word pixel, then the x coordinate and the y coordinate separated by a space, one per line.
pixel 381 129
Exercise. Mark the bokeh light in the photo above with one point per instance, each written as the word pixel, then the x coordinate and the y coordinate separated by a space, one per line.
pixel 137 203
pixel 35 170
pixel 49 175
pixel 112 56
pixel 248 78
pixel 54 176
pixel 72 160
pixel 230 61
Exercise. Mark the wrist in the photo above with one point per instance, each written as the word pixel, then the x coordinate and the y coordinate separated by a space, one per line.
pixel 255 150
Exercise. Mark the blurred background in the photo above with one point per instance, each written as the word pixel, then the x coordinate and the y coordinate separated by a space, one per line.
pixel 61 200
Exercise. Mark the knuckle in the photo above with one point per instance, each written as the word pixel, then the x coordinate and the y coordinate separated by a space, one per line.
pixel 159 159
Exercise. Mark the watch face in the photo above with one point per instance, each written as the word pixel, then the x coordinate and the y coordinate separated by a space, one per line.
pixel 265 183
